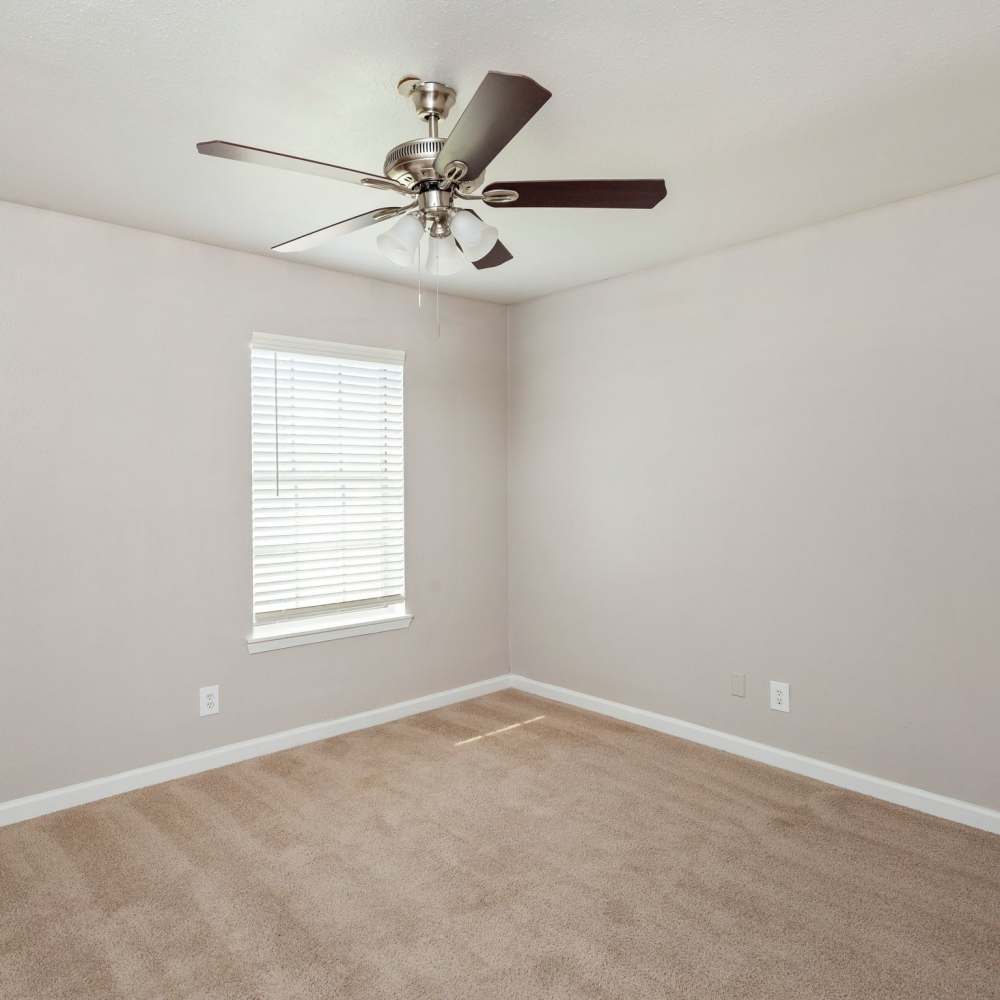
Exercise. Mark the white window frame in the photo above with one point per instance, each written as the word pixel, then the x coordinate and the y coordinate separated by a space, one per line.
pixel 337 624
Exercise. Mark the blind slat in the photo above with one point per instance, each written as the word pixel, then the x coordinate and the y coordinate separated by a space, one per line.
pixel 327 491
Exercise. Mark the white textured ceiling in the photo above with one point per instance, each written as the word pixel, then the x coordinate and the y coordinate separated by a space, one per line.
pixel 761 116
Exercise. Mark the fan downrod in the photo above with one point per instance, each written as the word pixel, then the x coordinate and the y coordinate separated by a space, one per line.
pixel 411 163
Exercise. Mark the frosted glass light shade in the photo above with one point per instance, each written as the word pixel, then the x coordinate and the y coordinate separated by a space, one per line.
pixel 399 242
pixel 443 256
pixel 475 236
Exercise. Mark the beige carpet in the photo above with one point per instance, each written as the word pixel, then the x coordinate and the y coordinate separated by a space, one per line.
pixel 435 859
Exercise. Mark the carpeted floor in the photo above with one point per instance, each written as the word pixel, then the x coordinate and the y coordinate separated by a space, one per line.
pixel 446 857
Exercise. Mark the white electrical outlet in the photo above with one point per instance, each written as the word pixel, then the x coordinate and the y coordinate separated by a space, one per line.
pixel 208 700
pixel 738 685
pixel 779 696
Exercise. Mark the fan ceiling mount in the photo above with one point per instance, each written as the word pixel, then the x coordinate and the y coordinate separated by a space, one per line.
pixel 437 174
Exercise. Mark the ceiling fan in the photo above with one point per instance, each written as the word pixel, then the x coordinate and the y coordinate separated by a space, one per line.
pixel 437 174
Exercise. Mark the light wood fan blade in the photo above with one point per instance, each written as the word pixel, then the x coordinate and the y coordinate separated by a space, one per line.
pixel 356 222
pixel 499 109
pixel 298 164
pixel 579 194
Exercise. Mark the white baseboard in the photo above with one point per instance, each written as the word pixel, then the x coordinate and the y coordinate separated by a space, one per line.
pixel 981 817
pixel 16 810
pixel 967 813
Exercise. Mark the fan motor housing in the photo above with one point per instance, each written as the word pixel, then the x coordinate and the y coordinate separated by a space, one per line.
pixel 413 161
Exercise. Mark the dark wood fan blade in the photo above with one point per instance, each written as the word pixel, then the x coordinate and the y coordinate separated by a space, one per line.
pixel 268 158
pixel 580 194
pixel 499 109
pixel 317 236
pixel 497 256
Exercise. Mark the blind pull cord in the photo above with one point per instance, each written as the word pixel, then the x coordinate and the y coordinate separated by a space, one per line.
pixel 277 473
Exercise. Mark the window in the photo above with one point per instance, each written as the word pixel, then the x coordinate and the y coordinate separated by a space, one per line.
pixel 327 435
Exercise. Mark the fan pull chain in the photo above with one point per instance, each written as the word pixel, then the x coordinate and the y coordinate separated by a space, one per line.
pixel 420 299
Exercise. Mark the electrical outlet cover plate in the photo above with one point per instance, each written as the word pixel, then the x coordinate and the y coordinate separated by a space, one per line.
pixel 208 700
pixel 738 685
pixel 779 696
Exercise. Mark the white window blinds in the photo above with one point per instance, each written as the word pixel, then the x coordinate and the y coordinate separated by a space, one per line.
pixel 327 477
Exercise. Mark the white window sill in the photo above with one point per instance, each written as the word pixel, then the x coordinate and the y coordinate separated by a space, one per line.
pixel 278 635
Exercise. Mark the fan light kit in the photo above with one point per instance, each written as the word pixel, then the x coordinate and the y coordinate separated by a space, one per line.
pixel 437 174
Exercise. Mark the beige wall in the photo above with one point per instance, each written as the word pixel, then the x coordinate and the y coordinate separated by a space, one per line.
pixel 124 486
pixel 783 460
